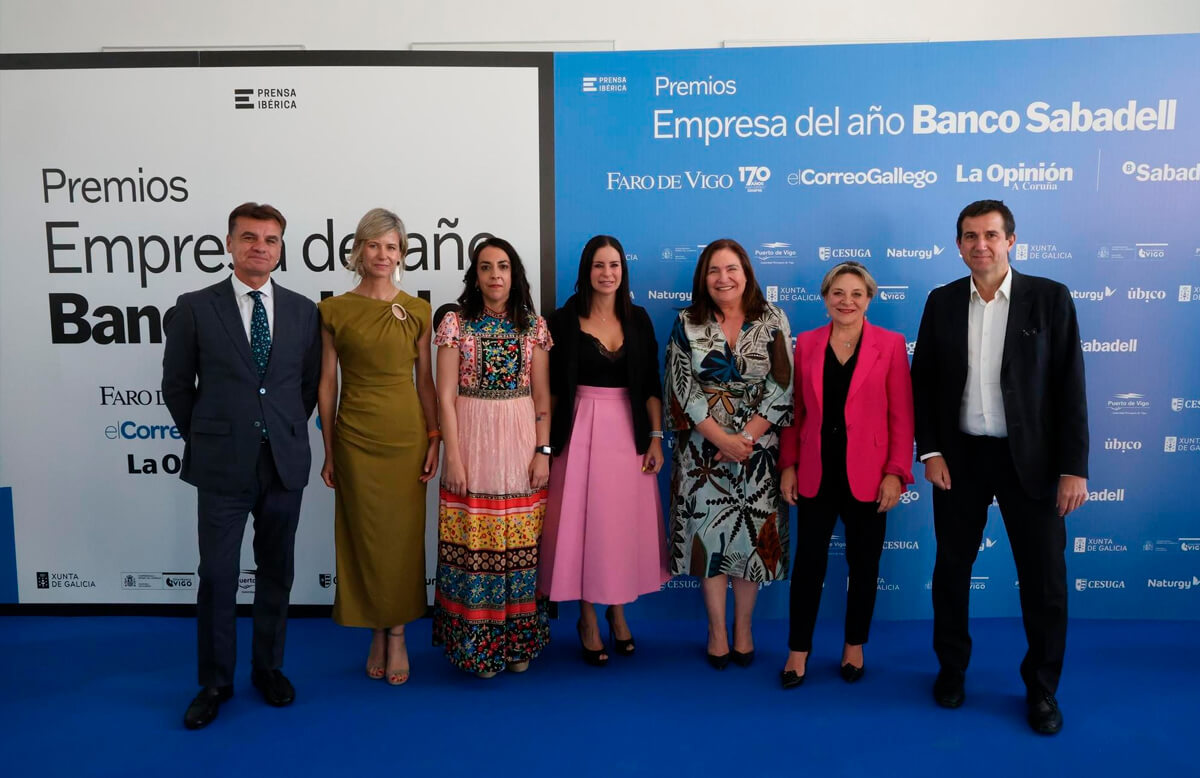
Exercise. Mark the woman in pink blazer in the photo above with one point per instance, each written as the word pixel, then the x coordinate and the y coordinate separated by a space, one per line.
pixel 848 454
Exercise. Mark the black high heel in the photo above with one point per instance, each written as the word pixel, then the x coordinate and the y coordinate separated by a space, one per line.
pixel 742 659
pixel 594 657
pixel 621 647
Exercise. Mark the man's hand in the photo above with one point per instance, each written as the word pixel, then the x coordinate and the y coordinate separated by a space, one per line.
pixel 937 473
pixel 1072 492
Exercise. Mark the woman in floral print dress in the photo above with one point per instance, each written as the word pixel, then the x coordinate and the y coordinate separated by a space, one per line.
pixel 494 392
pixel 728 391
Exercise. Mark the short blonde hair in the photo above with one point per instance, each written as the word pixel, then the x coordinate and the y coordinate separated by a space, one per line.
pixel 851 268
pixel 376 222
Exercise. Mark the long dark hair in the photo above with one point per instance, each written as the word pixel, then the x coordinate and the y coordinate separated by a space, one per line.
pixel 583 282
pixel 520 303
pixel 703 307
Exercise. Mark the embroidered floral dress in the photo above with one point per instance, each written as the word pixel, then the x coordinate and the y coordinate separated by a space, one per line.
pixel 485 611
pixel 728 518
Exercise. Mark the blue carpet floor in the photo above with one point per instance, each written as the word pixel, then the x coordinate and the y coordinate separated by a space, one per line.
pixel 106 695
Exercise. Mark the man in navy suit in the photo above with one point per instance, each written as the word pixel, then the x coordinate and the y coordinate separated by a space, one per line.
pixel 1001 412
pixel 240 372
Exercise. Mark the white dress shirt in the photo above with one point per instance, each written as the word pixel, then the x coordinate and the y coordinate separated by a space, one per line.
pixel 982 411
pixel 241 293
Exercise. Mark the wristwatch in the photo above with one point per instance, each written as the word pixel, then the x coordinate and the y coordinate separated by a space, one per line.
pixel 747 436
pixel 543 450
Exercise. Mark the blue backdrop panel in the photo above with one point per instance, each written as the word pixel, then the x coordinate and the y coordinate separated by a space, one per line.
pixel 811 155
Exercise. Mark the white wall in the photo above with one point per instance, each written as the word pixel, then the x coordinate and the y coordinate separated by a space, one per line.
pixel 89 25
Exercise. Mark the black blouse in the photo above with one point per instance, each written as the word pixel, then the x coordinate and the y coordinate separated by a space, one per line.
pixel 835 388
pixel 600 367
pixel 641 371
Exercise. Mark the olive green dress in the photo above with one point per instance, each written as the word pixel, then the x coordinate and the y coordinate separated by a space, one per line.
pixel 379 446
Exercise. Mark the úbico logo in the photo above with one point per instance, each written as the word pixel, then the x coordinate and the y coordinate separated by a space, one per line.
pixel 1146 295
pixel 1123 446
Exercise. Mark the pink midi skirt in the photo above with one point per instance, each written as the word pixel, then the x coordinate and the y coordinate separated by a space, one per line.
pixel 603 539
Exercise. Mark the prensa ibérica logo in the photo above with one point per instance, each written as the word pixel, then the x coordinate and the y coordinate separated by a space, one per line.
pixel 265 98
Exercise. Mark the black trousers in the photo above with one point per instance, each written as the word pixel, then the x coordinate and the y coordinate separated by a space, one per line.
pixel 865 529
pixel 222 522
pixel 1037 535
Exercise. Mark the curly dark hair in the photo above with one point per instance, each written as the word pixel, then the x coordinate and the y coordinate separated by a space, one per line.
pixel 520 303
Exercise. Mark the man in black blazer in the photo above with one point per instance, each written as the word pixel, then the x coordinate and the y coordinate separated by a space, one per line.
pixel 240 372
pixel 1001 412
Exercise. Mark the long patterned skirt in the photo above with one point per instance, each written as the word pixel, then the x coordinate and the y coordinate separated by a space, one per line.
pixel 486 613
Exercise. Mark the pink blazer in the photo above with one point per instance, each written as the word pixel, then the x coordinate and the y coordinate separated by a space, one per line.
pixel 879 413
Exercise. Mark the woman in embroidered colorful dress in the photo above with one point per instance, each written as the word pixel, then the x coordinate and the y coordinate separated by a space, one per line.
pixel 382 446
pixel 728 391
pixel 604 543
pixel 494 395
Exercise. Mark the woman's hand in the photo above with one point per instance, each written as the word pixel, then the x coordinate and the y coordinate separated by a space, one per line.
pixel 652 460
pixel 431 460
pixel 327 472
pixel 454 476
pixel 787 485
pixel 539 472
pixel 732 448
pixel 890 489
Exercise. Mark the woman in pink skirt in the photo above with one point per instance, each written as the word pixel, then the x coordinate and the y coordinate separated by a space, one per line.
pixel 603 539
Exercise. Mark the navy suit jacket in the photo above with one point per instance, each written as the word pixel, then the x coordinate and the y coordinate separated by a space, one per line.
pixel 211 387
pixel 1041 380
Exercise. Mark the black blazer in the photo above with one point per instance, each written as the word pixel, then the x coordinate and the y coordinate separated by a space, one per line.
pixel 1041 379
pixel 641 350
pixel 211 387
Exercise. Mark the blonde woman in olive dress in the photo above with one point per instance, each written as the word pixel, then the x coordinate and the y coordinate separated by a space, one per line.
pixel 381 442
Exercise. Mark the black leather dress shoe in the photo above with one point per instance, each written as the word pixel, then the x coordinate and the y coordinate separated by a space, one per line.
pixel 274 686
pixel 948 689
pixel 850 673
pixel 1043 714
pixel 788 679
pixel 203 708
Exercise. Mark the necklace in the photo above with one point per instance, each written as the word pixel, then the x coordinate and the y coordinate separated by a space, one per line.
pixel 494 314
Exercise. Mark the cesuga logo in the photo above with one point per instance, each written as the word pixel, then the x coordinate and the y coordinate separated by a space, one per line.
pixel 1184 404
pixel 1084 584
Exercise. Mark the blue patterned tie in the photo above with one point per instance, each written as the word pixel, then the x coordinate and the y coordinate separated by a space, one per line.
pixel 260 334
